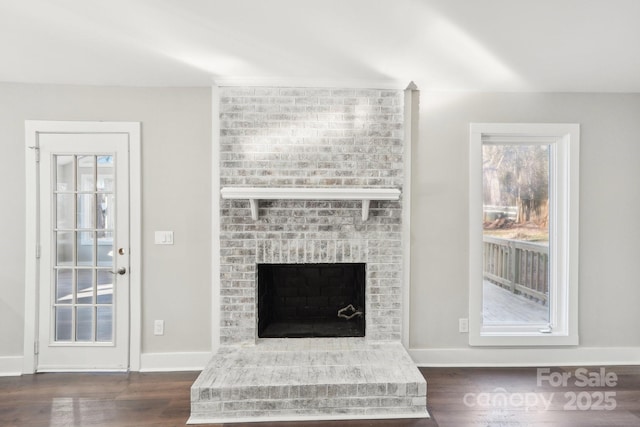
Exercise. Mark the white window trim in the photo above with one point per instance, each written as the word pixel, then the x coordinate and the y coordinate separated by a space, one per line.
pixel 565 142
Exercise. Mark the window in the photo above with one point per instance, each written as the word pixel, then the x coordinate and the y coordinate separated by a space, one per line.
pixel 523 234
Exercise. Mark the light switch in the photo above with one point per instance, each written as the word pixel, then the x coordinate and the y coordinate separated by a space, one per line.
pixel 164 238
pixel 158 327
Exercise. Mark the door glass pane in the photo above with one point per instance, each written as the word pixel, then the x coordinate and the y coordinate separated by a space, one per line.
pixel 105 249
pixel 64 211
pixel 64 247
pixel 63 323
pixel 105 286
pixel 85 248
pixel 64 286
pixel 105 209
pixel 105 173
pixel 85 286
pixel 516 234
pixel 85 211
pixel 64 173
pixel 84 324
pixel 104 327
pixel 86 177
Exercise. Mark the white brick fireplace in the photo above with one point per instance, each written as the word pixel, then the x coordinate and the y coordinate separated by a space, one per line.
pixel 310 138
pixel 312 142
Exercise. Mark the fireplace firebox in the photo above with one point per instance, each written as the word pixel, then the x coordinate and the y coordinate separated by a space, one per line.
pixel 311 300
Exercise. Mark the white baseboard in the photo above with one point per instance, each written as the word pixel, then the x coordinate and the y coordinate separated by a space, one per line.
pixel 150 362
pixel 166 362
pixel 458 357
pixel 524 357
pixel 11 366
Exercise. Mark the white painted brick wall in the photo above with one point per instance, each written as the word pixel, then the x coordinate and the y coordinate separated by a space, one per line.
pixel 305 137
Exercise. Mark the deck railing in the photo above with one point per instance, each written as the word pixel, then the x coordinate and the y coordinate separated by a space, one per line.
pixel 520 267
pixel 492 212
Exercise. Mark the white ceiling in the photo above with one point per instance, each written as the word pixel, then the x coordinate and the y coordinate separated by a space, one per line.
pixel 491 45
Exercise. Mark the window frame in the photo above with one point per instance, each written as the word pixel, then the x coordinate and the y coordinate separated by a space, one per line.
pixel 564 141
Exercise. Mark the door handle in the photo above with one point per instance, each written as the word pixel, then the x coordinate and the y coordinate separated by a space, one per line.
pixel 120 271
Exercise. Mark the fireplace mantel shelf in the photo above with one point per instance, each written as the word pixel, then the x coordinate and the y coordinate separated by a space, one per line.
pixel 255 194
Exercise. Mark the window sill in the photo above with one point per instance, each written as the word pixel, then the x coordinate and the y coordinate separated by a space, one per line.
pixel 521 339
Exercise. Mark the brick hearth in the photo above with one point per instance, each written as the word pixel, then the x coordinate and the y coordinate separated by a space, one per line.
pixel 307 379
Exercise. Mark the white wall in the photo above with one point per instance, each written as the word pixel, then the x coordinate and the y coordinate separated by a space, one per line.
pixel 609 230
pixel 176 151
pixel 176 195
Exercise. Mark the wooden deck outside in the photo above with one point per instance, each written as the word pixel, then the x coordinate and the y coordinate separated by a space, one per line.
pixel 516 281
pixel 500 305
pixel 519 266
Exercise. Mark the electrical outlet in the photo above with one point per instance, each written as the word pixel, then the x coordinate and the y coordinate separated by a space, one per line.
pixel 158 327
pixel 463 325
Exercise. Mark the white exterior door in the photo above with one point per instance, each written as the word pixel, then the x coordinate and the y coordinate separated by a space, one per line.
pixel 84 282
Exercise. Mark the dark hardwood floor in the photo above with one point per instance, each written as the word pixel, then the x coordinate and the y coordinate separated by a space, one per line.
pixel 455 396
